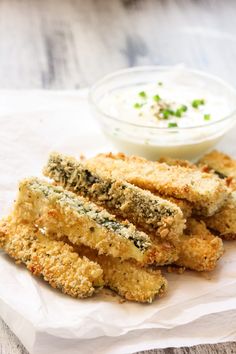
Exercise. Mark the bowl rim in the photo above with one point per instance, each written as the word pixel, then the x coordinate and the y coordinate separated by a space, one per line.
pixel 145 68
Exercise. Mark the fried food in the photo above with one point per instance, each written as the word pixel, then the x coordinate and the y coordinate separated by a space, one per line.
pixel 215 162
pixel 66 232
pixel 222 164
pixel 224 221
pixel 55 261
pixel 80 271
pixel 150 213
pixel 127 278
pixel 63 213
pixel 176 162
pixel 200 250
pixel 205 192
pixel 184 205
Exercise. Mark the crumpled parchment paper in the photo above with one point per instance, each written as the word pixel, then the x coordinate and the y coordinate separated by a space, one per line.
pixel 199 307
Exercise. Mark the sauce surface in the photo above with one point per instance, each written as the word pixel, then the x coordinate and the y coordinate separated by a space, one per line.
pixel 165 104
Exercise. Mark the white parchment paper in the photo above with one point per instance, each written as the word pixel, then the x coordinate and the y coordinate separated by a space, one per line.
pixel 199 307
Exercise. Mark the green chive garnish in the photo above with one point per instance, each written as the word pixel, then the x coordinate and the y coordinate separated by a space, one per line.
pixel 184 108
pixel 181 110
pixel 143 94
pixel 165 113
pixel 172 125
pixel 138 105
pixel 160 83
pixel 156 98
pixel 207 116
pixel 171 112
pixel 178 113
pixel 197 103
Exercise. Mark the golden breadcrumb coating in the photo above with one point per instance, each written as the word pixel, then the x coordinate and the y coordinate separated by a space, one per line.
pixel 163 252
pixel 224 221
pixel 150 213
pixel 222 164
pixel 185 206
pixel 175 269
pixel 55 261
pixel 206 192
pixel 214 162
pixel 200 250
pixel 176 162
pixel 63 213
pixel 127 278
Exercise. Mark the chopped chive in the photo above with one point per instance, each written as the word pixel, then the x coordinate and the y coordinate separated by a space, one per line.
pixel 178 113
pixel 184 108
pixel 143 94
pixel 156 98
pixel 207 116
pixel 165 113
pixel 171 112
pixel 197 103
pixel 181 110
pixel 172 125
pixel 138 105
pixel 160 83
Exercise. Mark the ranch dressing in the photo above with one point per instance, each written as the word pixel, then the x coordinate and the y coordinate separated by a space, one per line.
pixel 176 113
pixel 165 105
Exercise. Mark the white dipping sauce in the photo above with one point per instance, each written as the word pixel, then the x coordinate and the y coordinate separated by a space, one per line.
pixel 146 104
pixel 179 114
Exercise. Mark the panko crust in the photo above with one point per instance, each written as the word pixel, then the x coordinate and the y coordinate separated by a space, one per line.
pixel 222 164
pixel 177 162
pixel 63 213
pixel 224 221
pixel 148 212
pixel 127 278
pixel 55 261
pixel 200 249
pixel 78 271
pixel 204 191
pixel 185 206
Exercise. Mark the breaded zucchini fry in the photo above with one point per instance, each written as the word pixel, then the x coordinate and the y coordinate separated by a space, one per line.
pixel 184 205
pixel 215 162
pixel 127 278
pixel 66 214
pixel 177 162
pixel 55 261
pixel 200 250
pixel 224 221
pixel 150 213
pixel 222 164
pixel 207 193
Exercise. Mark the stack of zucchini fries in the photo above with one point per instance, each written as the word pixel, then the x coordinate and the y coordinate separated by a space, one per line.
pixel 115 221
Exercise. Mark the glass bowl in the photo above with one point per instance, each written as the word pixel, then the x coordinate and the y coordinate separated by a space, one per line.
pixel 151 141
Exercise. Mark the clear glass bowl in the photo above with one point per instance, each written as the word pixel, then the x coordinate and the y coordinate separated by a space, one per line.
pixel 152 141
